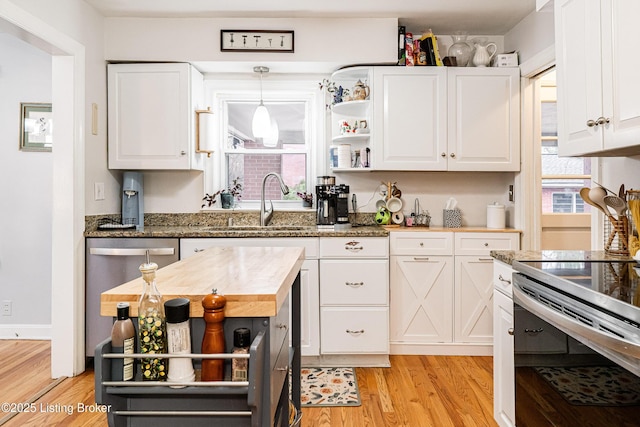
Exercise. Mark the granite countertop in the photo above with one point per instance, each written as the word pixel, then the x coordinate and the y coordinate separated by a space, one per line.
pixel 509 256
pixel 185 231
pixel 255 281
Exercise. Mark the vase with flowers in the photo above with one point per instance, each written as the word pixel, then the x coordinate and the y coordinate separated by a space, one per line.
pixel 307 199
pixel 228 195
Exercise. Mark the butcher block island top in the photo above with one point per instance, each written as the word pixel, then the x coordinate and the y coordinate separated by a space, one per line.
pixel 254 280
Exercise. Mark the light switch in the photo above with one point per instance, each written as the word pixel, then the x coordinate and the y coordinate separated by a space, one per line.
pixel 98 191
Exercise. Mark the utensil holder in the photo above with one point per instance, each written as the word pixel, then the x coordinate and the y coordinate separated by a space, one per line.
pixel 452 218
pixel 422 220
pixel 616 236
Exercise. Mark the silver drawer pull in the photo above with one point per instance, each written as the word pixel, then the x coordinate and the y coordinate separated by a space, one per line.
pixel 286 368
pixel 502 279
pixel 349 331
pixel 420 258
pixel 198 250
pixel 485 259
pixel 533 331
pixel 352 246
pixel 131 251
pixel 281 326
pixel 354 284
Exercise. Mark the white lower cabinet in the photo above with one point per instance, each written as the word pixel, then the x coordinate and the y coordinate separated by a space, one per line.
pixel 441 291
pixel 503 364
pixel 354 295
pixel 309 282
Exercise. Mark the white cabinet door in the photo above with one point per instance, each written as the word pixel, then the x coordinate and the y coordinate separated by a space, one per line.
pixel 152 116
pixel 421 299
pixel 579 75
pixel 484 119
pixel 410 118
pixel 598 89
pixel 473 299
pixel 504 410
pixel 621 86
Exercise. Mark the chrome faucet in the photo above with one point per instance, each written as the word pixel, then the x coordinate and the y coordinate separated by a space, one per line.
pixel 266 214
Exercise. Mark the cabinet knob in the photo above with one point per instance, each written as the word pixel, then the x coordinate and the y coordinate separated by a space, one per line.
pixel 183 153
pixel 421 244
pixel 486 244
pixel 591 123
pixel 603 120
pixel 443 154
pixel 452 155
pixel 510 331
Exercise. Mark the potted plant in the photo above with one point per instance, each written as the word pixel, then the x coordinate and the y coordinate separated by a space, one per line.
pixel 307 199
pixel 228 196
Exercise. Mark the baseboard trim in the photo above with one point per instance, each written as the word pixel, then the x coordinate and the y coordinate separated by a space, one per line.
pixel 442 349
pixel 25 332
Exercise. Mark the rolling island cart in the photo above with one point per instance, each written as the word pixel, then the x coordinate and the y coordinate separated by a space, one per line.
pixel 262 289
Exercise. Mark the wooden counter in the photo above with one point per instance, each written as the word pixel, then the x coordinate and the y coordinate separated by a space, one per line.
pixel 254 280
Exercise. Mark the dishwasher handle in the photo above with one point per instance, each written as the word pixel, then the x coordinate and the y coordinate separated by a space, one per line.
pixel 131 251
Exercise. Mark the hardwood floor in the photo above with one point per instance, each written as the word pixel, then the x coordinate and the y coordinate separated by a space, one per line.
pixel 416 391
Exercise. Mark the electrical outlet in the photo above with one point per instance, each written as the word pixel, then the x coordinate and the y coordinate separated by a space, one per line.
pixel 6 308
pixel 98 191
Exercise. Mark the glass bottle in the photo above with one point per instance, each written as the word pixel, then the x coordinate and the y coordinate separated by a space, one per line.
pixel 460 49
pixel 633 204
pixel 123 339
pixel 152 327
pixel 241 343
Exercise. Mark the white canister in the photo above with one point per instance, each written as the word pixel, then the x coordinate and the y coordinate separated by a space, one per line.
pixel 495 216
pixel 344 156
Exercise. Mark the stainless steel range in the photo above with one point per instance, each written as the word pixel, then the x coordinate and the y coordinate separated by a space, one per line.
pixel 577 314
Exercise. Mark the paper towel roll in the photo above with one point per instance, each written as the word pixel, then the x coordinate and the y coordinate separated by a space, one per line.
pixel 495 216
pixel 344 156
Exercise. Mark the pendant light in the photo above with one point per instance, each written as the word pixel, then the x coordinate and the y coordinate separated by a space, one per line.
pixel 261 124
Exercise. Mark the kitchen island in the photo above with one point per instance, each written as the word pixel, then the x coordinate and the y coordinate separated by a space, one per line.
pixel 262 288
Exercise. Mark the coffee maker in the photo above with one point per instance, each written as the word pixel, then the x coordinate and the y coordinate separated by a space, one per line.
pixel 332 210
pixel 132 200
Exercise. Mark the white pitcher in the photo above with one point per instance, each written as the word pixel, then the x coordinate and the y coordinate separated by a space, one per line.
pixel 482 56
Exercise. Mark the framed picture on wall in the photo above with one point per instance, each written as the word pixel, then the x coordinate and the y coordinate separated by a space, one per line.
pixel 36 127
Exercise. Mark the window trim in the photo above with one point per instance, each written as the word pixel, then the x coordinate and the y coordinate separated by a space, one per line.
pixel 220 89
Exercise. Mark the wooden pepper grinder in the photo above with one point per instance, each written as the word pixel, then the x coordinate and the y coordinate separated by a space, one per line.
pixel 213 339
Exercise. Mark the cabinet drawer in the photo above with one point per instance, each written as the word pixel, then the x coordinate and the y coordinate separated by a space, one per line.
pixel 534 335
pixel 421 243
pixel 279 327
pixel 483 243
pixel 191 246
pixel 354 330
pixel 354 247
pixel 502 278
pixel 348 282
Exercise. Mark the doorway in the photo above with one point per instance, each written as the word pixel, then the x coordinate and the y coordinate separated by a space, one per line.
pixel 565 219
pixel 67 284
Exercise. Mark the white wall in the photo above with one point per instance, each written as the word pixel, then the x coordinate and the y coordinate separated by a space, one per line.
pixel 25 186
pixel 532 36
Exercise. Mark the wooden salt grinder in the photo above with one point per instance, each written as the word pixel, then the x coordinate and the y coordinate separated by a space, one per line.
pixel 213 339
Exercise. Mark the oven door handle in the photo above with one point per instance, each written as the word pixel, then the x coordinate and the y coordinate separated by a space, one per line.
pixel 573 327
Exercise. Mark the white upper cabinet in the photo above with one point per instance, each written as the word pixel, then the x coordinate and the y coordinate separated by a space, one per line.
pixel 410 118
pixel 484 119
pixel 152 116
pixel 598 87
pixel 446 119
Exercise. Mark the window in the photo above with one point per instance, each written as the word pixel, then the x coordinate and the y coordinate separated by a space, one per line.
pixel 294 107
pixel 562 177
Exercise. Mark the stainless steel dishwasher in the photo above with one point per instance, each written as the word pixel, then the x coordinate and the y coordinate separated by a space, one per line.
pixel 111 262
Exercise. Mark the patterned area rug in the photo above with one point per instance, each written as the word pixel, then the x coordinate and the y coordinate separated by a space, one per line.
pixel 329 387
pixel 604 386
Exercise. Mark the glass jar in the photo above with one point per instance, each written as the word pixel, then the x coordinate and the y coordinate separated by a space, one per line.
pixel 152 327
pixel 634 220
pixel 460 49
